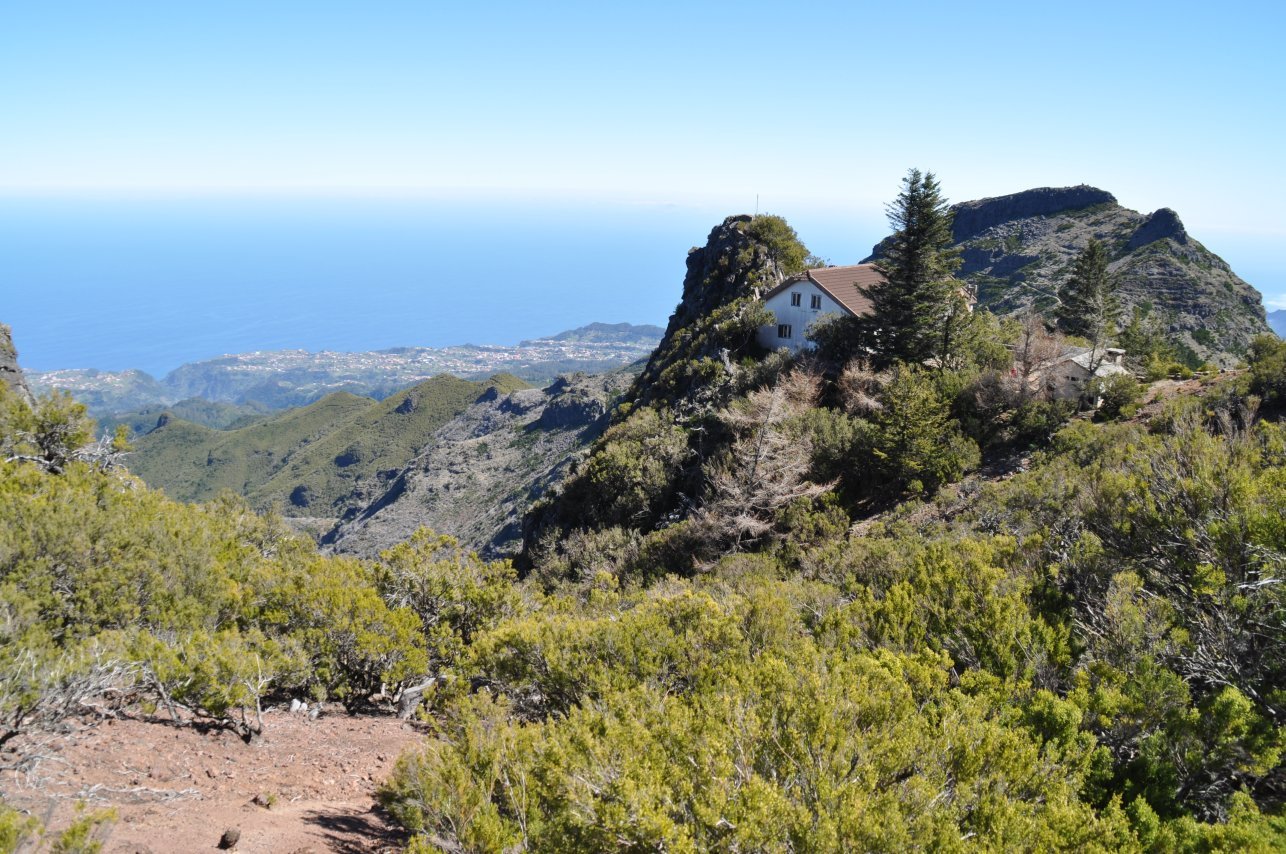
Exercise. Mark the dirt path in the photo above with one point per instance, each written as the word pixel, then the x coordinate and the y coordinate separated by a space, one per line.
pixel 307 786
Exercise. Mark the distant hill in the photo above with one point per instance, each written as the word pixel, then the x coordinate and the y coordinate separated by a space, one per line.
pixel 1277 321
pixel 104 392
pixel 308 459
pixel 1018 249
pixel 610 333
pixel 207 413
pixel 194 463
pixel 280 379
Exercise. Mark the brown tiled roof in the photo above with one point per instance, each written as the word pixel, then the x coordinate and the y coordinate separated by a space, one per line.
pixel 840 284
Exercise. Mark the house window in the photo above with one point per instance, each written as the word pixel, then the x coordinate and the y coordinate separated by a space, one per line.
pixel 783 330
pixel 816 301
pixel 794 300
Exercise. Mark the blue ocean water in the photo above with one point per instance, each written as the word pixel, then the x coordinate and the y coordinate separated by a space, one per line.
pixel 151 283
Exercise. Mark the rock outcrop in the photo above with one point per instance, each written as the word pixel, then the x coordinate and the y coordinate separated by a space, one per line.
pixel 973 218
pixel 10 373
pixel 723 279
pixel 1018 249
pixel 571 403
pixel 694 371
pixel 1163 224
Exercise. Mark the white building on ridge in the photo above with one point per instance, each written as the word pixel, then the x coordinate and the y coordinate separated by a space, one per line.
pixel 800 301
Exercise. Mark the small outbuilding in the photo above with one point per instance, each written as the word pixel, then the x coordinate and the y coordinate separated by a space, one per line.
pixel 801 301
pixel 1067 376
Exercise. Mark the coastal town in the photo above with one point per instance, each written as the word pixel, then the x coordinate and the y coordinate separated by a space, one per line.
pixel 300 374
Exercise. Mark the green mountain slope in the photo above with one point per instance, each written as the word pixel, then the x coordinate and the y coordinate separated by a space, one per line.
pixel 309 459
pixel 207 413
pixel 383 438
pixel 194 463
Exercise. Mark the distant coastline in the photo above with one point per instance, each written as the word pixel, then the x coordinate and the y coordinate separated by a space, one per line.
pixel 276 379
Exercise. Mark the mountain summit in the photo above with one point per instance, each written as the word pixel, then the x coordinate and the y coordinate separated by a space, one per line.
pixel 1017 250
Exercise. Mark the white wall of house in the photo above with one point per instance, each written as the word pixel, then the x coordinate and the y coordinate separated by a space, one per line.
pixel 1066 380
pixel 797 317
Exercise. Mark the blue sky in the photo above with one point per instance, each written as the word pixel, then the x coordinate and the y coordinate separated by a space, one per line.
pixel 816 108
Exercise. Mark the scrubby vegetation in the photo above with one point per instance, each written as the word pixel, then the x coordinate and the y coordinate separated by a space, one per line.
pixel 772 609
pixel 115 597
pixel 1087 656
pixel 1083 655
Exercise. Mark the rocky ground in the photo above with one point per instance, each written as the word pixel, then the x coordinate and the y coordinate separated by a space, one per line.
pixel 306 786
pixel 484 468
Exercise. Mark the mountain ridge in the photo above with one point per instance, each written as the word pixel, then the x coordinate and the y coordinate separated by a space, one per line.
pixel 305 460
pixel 1016 250
pixel 482 470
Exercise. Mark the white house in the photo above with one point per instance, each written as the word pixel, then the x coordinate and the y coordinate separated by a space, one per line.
pixel 800 301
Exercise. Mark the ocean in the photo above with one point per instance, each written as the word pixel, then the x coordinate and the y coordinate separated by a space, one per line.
pixel 114 283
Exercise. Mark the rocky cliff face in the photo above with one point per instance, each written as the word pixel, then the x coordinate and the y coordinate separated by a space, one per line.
pixel 10 373
pixel 483 469
pixel 1018 249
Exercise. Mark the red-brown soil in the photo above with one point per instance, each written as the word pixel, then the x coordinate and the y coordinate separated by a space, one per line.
pixel 178 789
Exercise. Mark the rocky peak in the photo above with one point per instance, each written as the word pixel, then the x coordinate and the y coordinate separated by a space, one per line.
pixel 1162 224
pixel 973 218
pixel 10 373
pixel 562 384
pixel 733 267
pixel 718 272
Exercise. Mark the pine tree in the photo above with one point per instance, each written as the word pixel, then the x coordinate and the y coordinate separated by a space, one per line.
pixel 1088 305
pixel 917 446
pixel 915 310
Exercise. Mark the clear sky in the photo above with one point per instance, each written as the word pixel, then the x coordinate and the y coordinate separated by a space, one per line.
pixel 812 107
